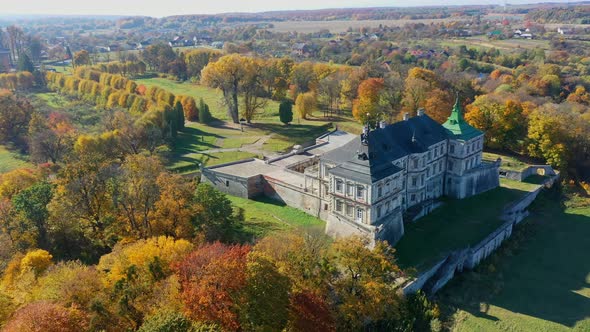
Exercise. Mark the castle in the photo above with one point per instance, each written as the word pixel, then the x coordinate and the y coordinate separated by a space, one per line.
pixel 370 184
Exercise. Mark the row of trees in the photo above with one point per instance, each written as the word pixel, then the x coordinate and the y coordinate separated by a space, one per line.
pixel 20 81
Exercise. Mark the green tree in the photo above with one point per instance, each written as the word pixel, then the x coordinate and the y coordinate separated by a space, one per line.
pixel 179 113
pixel 286 112
pixel 216 217
pixel 204 113
pixel 31 204
pixel 25 64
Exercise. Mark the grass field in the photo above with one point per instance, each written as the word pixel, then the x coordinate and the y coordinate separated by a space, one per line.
pixel 508 162
pixel 10 160
pixel 538 281
pixel 455 225
pixel 265 215
pixel 479 42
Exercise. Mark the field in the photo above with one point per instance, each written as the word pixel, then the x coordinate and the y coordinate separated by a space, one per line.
pixel 538 281
pixel 508 162
pixel 455 225
pixel 10 160
pixel 343 25
pixel 265 215
pixel 506 44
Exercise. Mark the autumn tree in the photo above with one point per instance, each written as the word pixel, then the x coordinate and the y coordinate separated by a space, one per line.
pixel 418 84
pixel 137 192
pixel 227 74
pixel 366 285
pixel 252 89
pixel 305 104
pixel 81 58
pixel 50 139
pixel 15 114
pixel 47 317
pixel 367 107
pixel 213 278
pixel 173 211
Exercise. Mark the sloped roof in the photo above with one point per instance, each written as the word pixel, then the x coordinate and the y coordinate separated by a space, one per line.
pixel 457 127
pixel 384 146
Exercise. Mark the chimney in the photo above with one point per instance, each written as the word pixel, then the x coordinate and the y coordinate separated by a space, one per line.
pixel 406 116
pixel 420 112
pixel 382 124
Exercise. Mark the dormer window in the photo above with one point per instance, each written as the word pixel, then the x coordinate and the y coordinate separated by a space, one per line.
pixel 452 148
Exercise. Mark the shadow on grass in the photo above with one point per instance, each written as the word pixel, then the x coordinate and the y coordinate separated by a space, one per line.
pixel 541 272
pixel 193 140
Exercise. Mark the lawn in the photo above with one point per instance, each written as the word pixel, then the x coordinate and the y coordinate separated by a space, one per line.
pixel 265 215
pixel 538 281
pixel 455 225
pixel 10 160
pixel 190 163
pixel 508 162
pixel 524 186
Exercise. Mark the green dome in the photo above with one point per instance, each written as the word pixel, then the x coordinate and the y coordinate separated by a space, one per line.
pixel 457 127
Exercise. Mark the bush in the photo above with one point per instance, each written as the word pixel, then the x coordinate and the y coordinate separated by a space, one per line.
pixel 204 113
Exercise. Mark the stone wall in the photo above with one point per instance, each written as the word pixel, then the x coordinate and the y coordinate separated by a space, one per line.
pixel 295 197
pixel 473 182
pixel 525 173
pixel 245 187
pixel 339 227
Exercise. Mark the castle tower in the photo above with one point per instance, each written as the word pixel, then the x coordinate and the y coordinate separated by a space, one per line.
pixel 464 152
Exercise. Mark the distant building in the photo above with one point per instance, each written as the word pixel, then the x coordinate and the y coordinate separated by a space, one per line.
pixel 300 49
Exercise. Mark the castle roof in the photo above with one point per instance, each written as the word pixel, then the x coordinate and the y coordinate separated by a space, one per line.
pixel 373 160
pixel 457 127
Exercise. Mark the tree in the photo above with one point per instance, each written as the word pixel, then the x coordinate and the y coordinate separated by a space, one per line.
pixel 174 211
pixel 267 295
pixel 25 64
pixel 15 114
pixel 189 106
pixel 50 139
pixel 31 204
pixel 137 192
pixel 286 111
pixel 366 286
pixel 227 74
pixel 305 104
pixel 212 279
pixel 204 113
pixel 367 106
pixel 47 317
pixel 252 89
pixel 179 115
pixel 215 216
pixel 172 321
pixel 81 58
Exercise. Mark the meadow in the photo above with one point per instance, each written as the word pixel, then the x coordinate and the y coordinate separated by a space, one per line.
pixel 10 160
pixel 538 281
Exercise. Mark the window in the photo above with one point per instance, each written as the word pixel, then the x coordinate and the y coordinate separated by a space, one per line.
pixel 414 181
pixel 325 207
pixel 349 189
pixel 422 179
pixel 339 186
pixel 387 185
pixel 379 211
pixel 227 183
pixel 415 162
pixel 452 149
pixel 429 155
pixel 450 165
pixel 435 152
pixel 413 197
pixel 339 206
pixel 349 209
pixel 359 214
pixel 428 172
pixel 379 191
pixel 360 192
pixel 441 149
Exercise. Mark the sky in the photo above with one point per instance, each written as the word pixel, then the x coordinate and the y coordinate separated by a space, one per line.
pixel 162 8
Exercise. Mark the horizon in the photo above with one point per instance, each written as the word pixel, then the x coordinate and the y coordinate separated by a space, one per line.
pixel 55 8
